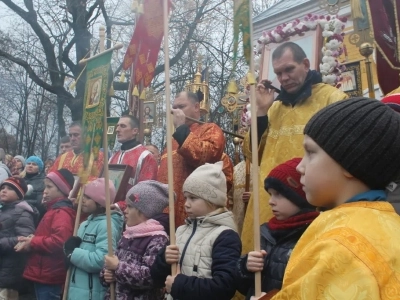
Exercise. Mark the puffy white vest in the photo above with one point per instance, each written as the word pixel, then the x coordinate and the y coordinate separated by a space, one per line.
pixel 196 240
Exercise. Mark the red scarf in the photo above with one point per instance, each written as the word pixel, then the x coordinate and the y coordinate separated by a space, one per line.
pixel 293 222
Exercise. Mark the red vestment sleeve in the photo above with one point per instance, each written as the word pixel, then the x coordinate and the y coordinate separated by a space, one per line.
pixel 205 147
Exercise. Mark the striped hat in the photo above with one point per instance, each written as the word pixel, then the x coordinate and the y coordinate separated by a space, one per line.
pixel 63 179
pixel 393 101
pixel 17 184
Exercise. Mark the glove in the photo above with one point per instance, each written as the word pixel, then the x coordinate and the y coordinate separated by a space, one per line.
pixel 72 243
pixel 69 247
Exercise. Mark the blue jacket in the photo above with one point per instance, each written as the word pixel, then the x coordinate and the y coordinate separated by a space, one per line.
pixel 87 260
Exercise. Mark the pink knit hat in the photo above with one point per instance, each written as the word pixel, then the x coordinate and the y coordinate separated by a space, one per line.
pixel 95 190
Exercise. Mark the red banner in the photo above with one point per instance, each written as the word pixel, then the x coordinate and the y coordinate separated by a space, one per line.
pixel 146 41
pixel 385 17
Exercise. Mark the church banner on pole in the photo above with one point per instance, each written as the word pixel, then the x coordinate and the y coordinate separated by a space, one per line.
pixel 96 91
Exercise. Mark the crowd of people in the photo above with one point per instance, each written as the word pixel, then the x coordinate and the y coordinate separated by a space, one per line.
pixel 328 166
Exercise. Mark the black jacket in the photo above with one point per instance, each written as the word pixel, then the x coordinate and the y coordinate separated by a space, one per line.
pixel 16 219
pixel 278 254
pixel 35 198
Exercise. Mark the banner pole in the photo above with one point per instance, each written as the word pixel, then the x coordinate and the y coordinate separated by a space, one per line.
pixel 254 156
pixel 169 134
pixel 106 171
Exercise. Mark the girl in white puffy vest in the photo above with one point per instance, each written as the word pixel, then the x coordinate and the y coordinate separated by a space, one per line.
pixel 207 246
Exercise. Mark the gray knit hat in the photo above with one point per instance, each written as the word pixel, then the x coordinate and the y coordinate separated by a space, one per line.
pixel 208 182
pixel 363 136
pixel 150 197
pixel 21 159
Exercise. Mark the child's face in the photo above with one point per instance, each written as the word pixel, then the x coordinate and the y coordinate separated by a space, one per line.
pixel 323 179
pixel 133 216
pixel 51 191
pixel 7 194
pixel 196 207
pixel 282 208
pixel 88 205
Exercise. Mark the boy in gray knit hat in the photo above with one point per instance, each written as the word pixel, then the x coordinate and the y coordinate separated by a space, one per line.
pixel 351 154
pixel 207 246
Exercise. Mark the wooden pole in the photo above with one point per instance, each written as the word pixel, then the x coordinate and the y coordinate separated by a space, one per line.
pixel 76 226
pixel 108 202
pixel 254 156
pixel 247 181
pixel 169 136
pixel 106 173
pixel 86 60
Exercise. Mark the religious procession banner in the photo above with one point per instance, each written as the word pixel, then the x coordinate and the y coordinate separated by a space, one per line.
pixel 241 24
pixel 385 25
pixel 146 42
pixel 94 103
pixel 111 131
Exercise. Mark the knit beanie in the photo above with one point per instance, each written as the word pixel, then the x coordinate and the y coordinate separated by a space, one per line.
pixel 286 181
pixel 20 158
pixel 393 101
pixel 63 179
pixel 36 160
pixel 208 182
pixel 17 184
pixel 150 197
pixel 362 135
pixel 96 191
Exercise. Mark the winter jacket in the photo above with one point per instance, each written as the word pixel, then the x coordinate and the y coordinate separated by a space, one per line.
pixel 35 197
pixel 4 172
pixel 88 260
pixel 201 249
pixel 46 262
pixel 136 256
pixel 16 219
pixel 278 254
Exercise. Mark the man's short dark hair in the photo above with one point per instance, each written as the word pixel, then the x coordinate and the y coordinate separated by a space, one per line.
pixel 192 97
pixel 298 53
pixel 64 139
pixel 152 145
pixel 76 124
pixel 133 121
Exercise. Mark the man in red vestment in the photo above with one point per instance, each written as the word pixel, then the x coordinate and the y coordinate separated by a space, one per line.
pixel 133 153
pixel 193 145
pixel 72 160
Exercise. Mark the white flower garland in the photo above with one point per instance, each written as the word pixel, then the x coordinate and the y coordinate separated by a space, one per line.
pixel 333 34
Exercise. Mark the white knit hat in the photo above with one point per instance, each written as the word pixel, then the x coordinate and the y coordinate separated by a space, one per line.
pixel 208 182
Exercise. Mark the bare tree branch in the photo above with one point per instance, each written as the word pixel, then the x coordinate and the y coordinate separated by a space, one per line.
pixel 34 77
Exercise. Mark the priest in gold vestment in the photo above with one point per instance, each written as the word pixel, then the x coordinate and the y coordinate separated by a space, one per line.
pixel 193 145
pixel 281 121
